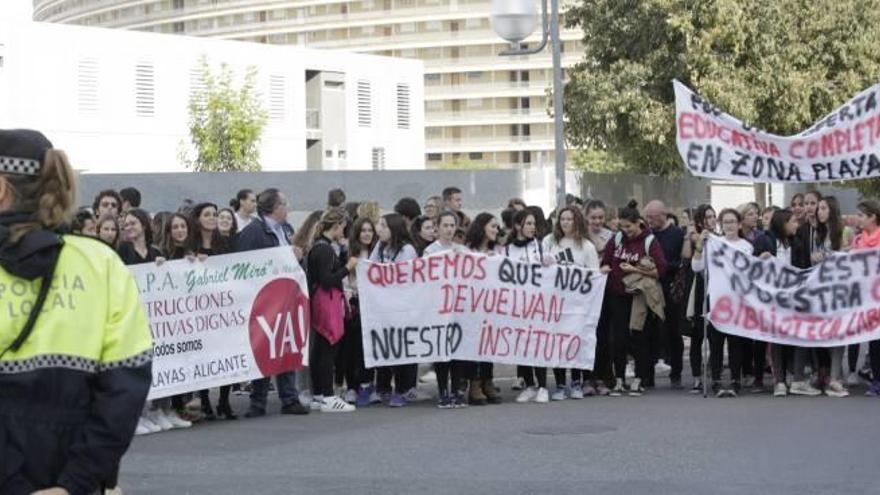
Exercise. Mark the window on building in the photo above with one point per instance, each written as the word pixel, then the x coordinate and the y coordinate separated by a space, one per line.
pixel 342 154
pixel 433 26
pixel 177 27
pixel 403 106
pixel 177 4
pixel 365 103
pixel 407 27
pixel 277 97
pixel 475 156
pixel 328 153
pixel 435 157
pixel 145 89
pixel 378 158
pixel 87 86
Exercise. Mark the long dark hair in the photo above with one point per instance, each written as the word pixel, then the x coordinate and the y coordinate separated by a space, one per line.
pixel 699 217
pixel 476 233
pixel 833 228
pixel 305 234
pixel 777 225
pixel 234 229
pixel 580 226
pixel 415 232
pixel 519 220
pixel 168 248
pixel 542 226
pixel 399 236
pixel 355 247
pixel 870 207
pixel 144 218
pixel 630 213
pixel 217 241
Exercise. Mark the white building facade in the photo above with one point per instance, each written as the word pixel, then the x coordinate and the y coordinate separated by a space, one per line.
pixel 481 109
pixel 117 100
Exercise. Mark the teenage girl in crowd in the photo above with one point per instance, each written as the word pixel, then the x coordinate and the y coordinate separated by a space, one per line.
pixel 361 242
pixel 207 241
pixel 622 255
pixel 524 247
pixel 807 250
pixel 797 208
pixel 448 396
pixel 326 272
pixel 834 237
pixel 569 245
pixel 107 230
pixel 226 223
pixel 704 221
pixel 481 237
pixel 779 238
pixel 395 246
pixel 731 222
pixel 422 233
pixel 598 381
pixel 245 206
pixel 868 218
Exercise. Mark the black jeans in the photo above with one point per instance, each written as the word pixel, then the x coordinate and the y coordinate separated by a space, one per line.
pixel 351 354
pixel 735 347
pixel 696 352
pixel 602 370
pixel 322 358
pixel 456 369
pixel 530 374
pixel 559 376
pixel 624 339
pixel 874 356
pixel 404 375
pixel 759 359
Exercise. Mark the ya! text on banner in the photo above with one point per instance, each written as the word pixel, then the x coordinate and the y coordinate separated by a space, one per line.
pixel 841 146
pixel 832 304
pixel 473 307
pixel 227 319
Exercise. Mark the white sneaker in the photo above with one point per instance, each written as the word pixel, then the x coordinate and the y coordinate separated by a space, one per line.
pixel 375 398
pixel 635 388
pixel 305 398
pixel 158 418
pixel 351 396
pixel 853 379
pixel 576 392
pixel 661 368
pixel 176 421
pixel 617 391
pixel 335 404
pixel 558 394
pixel 836 389
pixel 630 370
pixel 543 396
pixel 804 388
pixel 429 377
pixel 780 390
pixel 142 428
pixel 527 395
pixel 317 403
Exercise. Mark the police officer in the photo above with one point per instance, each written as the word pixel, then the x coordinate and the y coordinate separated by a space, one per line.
pixel 75 345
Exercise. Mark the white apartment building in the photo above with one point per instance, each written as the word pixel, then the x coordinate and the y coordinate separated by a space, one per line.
pixel 479 108
pixel 117 101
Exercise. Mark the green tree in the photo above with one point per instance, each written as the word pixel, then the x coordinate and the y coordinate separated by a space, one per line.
pixel 778 64
pixel 225 122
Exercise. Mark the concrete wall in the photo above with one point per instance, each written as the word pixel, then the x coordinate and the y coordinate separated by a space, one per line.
pixel 483 190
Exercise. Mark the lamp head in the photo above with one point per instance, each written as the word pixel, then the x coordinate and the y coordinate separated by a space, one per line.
pixel 514 20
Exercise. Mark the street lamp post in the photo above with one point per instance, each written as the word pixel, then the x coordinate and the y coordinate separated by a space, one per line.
pixel 514 21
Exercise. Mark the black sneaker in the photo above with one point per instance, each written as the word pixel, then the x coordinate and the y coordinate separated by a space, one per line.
pixel 295 408
pixel 254 413
pixel 698 387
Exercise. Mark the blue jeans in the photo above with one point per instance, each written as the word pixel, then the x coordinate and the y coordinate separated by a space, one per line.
pixel 287 392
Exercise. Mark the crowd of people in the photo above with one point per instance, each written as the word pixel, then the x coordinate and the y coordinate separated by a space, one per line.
pixel 652 246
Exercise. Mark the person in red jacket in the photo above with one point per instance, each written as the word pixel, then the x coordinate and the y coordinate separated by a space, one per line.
pixel 622 255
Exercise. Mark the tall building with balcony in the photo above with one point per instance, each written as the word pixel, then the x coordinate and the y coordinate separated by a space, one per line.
pixel 480 109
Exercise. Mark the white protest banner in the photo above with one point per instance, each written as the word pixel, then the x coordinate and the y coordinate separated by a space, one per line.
pixel 473 307
pixel 842 145
pixel 832 304
pixel 224 320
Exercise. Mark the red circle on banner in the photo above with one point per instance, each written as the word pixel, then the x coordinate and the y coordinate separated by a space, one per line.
pixel 279 326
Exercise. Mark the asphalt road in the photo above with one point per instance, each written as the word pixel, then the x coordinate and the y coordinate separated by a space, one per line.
pixel 667 442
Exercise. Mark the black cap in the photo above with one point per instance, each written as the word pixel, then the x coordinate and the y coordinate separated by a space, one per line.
pixel 22 151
